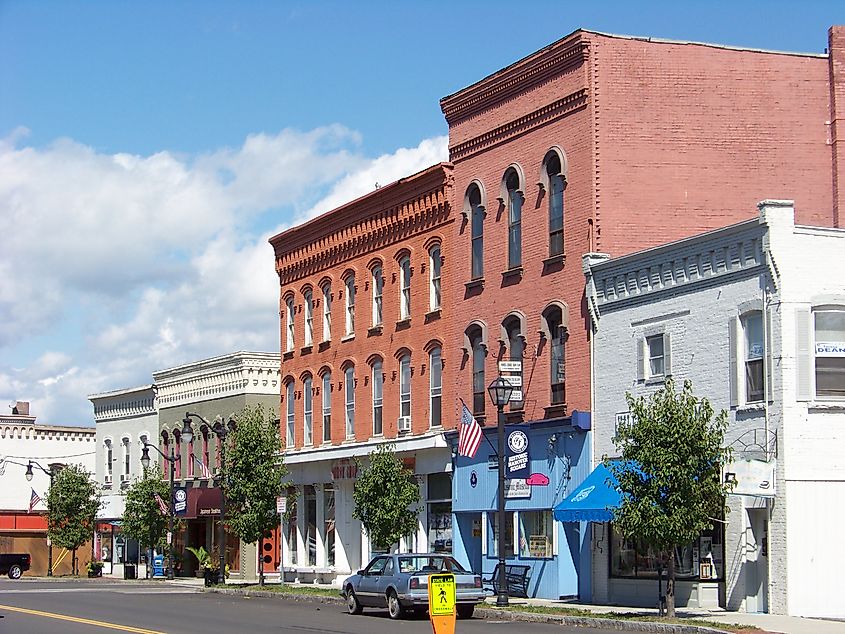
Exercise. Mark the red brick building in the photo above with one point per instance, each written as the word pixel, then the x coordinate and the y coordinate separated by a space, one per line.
pixel 362 339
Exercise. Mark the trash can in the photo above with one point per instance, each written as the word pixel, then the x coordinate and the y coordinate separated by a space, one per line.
pixel 130 571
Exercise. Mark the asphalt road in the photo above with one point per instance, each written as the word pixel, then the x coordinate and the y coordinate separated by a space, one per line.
pixel 100 606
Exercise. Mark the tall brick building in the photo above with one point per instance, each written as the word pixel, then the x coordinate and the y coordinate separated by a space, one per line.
pixel 363 353
pixel 613 144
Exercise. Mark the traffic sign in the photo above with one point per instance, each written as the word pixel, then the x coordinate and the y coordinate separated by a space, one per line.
pixel 510 366
pixel 281 505
pixel 441 603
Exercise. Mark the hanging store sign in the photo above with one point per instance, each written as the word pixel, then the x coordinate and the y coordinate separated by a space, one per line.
pixel 752 477
pixel 180 500
pixel 516 452
pixel 517 489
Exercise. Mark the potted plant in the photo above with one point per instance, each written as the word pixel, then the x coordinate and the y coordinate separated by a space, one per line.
pixel 95 569
pixel 206 563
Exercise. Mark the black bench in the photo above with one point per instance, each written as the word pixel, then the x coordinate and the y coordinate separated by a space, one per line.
pixel 517 580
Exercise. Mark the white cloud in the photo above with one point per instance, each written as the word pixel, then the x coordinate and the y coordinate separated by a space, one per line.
pixel 149 262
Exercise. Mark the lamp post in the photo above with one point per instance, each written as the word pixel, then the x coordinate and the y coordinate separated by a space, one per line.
pixel 187 434
pixel 221 429
pixel 500 393
pixel 50 473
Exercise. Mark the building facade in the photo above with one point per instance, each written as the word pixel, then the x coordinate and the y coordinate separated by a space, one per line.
pixel 363 363
pixel 754 316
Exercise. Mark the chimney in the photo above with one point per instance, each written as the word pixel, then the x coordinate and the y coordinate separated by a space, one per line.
pixel 21 408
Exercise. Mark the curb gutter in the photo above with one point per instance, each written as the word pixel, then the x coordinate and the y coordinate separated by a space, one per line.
pixel 505 615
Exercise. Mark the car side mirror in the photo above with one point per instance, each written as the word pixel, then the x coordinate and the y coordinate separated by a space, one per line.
pixel 360 572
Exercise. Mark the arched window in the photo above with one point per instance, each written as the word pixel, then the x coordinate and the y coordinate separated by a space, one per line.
pixel 327 311
pixel 327 407
pixel 405 387
pixel 435 386
pixel 378 397
pixel 307 411
pixel 516 346
pixel 514 203
pixel 378 289
pixel 556 183
pixel 349 390
pixel 127 457
pixel 289 312
pixel 177 443
pixel 309 317
pixel 349 282
pixel 291 417
pixel 555 329
pixel 477 232
pixel 405 287
pixel 478 350
pixel 434 265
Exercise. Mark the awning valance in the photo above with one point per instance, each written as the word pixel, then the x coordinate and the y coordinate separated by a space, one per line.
pixel 593 501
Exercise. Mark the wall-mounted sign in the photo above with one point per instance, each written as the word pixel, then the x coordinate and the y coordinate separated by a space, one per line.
pixel 516 452
pixel 510 366
pixel 344 469
pixel 516 396
pixel 537 480
pixel 514 380
pixel 473 479
pixel 830 348
pixel 517 489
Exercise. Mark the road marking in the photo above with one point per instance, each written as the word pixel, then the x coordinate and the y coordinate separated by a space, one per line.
pixel 75 619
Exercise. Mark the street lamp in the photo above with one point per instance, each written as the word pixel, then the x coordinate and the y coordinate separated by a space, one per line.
pixel 187 434
pixel 221 429
pixel 500 392
pixel 50 473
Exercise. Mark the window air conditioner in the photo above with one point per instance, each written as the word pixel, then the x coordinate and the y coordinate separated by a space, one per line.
pixel 108 479
pixel 404 423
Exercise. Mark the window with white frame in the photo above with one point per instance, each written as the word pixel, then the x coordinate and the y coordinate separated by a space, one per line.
pixel 654 345
pixel 653 357
pixel 349 390
pixel 493 548
pixel 378 290
pixel 404 287
pixel 289 437
pixel 127 457
pixel 435 386
pixel 752 326
pixel 327 312
pixel 535 534
pixel 109 460
pixel 309 317
pixel 289 312
pixel 378 397
pixel 477 232
pixel 434 266
pixel 514 203
pixel 830 352
pixel 405 386
pixel 307 411
pixel 350 304
pixel 327 407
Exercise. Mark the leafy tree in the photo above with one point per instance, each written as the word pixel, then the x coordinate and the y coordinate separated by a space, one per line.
pixel 254 472
pixel 386 494
pixel 142 518
pixel 72 505
pixel 669 476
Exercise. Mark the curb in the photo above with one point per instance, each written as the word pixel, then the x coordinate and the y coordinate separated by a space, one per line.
pixel 506 615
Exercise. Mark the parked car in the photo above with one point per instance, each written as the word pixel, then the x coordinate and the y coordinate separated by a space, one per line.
pixel 14 565
pixel 399 582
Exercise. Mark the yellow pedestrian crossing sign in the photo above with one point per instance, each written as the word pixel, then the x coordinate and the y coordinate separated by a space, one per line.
pixel 441 595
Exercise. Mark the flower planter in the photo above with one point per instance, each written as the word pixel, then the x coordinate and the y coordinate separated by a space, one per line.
pixel 211 577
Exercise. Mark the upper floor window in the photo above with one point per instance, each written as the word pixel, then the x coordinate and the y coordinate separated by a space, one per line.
pixel 349 386
pixel 434 266
pixel 435 386
pixel 405 287
pixel 477 232
pixel 478 351
pixel 289 437
pixel 405 386
pixel 516 347
pixel 109 459
pixel 556 186
pixel 327 407
pixel 378 289
pixel 327 312
pixel 307 411
pixel 830 352
pixel 555 328
pixel 752 326
pixel 289 312
pixel 127 458
pixel 514 203
pixel 378 397
pixel 350 304
pixel 309 317
pixel 653 357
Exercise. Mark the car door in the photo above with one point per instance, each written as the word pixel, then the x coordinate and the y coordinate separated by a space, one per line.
pixel 389 577
pixel 368 590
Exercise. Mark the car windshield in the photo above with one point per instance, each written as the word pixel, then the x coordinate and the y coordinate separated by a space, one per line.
pixel 430 564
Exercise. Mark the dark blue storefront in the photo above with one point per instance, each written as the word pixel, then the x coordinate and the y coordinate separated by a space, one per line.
pixel 557 553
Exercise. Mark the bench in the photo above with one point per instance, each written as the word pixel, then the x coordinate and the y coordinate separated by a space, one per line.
pixel 517 579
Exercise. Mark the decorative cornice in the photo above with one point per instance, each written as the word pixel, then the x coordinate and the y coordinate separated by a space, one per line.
pixel 46 432
pixel 560 108
pixel 126 403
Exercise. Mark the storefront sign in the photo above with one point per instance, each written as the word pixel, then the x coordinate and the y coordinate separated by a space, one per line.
pixel 830 349
pixel 537 480
pixel 516 452
pixel 344 470
pixel 752 477
pixel 204 512
pixel 517 489
pixel 180 501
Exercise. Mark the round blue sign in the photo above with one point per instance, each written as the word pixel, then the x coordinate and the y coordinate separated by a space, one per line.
pixel 473 479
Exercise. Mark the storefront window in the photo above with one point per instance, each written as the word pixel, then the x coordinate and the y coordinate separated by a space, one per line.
pixel 439 513
pixel 291 526
pixel 311 524
pixel 701 559
pixel 493 548
pixel 535 534
pixel 328 511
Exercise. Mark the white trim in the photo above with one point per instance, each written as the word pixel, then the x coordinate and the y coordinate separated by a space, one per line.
pixel 423 441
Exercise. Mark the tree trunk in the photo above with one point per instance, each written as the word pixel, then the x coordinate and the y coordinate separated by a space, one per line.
pixel 73 563
pixel 261 560
pixel 670 585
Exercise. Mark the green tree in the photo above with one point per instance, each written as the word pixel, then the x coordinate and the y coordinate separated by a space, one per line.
pixel 142 518
pixel 72 505
pixel 386 495
pixel 669 476
pixel 254 473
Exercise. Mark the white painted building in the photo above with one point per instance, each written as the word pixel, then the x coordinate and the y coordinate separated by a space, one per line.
pixel 754 315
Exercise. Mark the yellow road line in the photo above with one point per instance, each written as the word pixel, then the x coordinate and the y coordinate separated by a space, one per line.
pixel 76 619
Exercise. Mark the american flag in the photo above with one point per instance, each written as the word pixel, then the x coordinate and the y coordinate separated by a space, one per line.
pixel 469 434
pixel 161 504
pixel 33 500
pixel 204 472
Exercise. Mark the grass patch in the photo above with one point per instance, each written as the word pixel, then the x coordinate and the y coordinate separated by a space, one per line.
pixel 290 589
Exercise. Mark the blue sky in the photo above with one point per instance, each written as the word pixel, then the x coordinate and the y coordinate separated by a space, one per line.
pixel 149 149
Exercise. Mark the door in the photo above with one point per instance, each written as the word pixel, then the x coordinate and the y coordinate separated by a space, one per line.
pixel 757 561
pixel 270 557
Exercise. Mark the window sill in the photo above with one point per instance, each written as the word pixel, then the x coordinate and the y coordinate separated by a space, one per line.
pixel 348 338
pixel 748 408
pixel 306 349
pixel 557 410
pixel 432 315
pixel 654 380
pixel 348 440
pixel 512 274
pixel 402 324
pixel 555 260
pixel 830 404
pixel 286 356
pixel 324 345
pixel 475 284
pixel 375 330
pixel 480 418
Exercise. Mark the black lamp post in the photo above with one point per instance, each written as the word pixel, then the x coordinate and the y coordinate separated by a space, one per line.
pixel 50 473
pixel 187 434
pixel 221 429
pixel 500 393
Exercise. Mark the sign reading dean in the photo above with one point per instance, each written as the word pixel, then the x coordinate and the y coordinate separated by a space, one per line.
pixel 516 452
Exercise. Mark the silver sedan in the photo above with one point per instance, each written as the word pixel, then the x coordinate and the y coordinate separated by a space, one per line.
pixel 399 582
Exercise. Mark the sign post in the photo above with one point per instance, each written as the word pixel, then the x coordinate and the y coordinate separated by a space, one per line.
pixel 441 603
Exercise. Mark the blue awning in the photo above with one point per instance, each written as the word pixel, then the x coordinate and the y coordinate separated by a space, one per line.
pixel 593 501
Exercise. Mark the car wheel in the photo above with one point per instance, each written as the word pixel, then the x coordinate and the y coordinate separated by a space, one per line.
pixel 465 611
pixel 15 572
pixel 353 606
pixel 394 608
